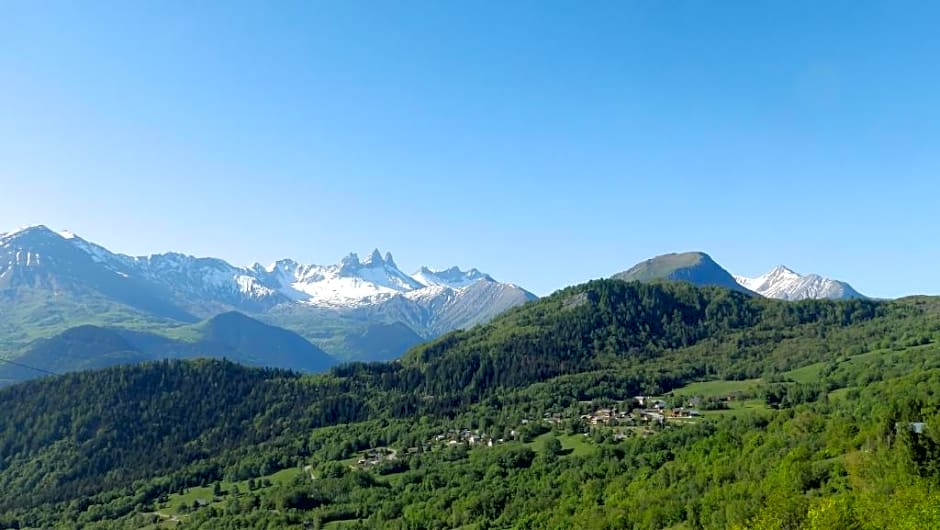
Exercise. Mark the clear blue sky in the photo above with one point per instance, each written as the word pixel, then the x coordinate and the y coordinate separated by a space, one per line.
pixel 544 142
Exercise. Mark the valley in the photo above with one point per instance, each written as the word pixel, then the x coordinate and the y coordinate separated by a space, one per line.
pixel 772 410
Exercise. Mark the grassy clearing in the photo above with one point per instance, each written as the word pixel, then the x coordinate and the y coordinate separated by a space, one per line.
pixel 573 444
pixel 716 388
pixel 578 444
pixel 740 408
pixel 187 498
pixel 807 374
pixel 204 494
pixel 839 393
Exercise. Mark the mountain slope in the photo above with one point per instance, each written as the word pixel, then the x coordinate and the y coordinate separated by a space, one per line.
pixel 383 342
pixel 435 310
pixel 230 335
pixel 696 268
pixel 261 344
pixel 785 284
pixel 37 258
pixel 79 348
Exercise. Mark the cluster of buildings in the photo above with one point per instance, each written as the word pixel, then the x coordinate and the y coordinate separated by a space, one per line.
pixel 473 438
pixel 374 457
pixel 651 410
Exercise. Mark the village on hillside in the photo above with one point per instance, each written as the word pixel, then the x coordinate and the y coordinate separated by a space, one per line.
pixel 639 416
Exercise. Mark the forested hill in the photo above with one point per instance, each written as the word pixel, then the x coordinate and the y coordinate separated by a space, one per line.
pixel 664 334
pixel 85 432
pixel 101 446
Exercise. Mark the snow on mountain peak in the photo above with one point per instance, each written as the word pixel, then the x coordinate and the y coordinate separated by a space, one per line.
pixel 776 276
pixel 784 270
pixel 783 283
pixel 37 237
pixel 354 282
pixel 30 230
pixel 351 282
pixel 452 277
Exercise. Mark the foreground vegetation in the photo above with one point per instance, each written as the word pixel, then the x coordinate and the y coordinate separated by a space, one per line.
pixel 814 415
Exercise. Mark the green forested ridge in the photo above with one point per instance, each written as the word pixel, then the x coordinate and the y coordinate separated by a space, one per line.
pixel 821 438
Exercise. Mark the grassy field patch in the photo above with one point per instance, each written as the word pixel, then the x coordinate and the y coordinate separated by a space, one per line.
pixel 740 408
pixel 807 374
pixel 573 444
pixel 716 388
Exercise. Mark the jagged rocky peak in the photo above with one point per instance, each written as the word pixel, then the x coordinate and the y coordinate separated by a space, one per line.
pixel 285 264
pixel 374 259
pixel 351 260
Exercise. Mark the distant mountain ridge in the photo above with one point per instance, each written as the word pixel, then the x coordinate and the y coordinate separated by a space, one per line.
pixel 63 279
pixel 233 336
pixel 785 284
pixel 700 269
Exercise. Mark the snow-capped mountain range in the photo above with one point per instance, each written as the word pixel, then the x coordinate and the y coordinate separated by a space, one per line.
pixel 302 297
pixel 785 284
pixel 353 282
